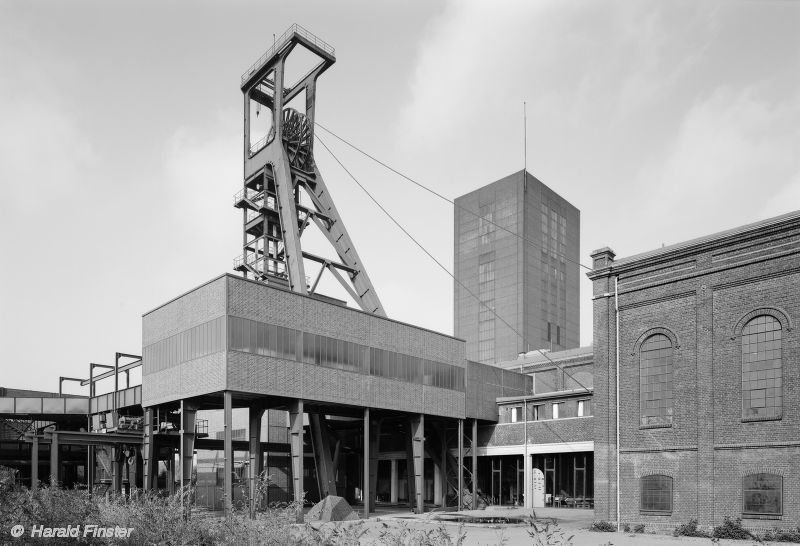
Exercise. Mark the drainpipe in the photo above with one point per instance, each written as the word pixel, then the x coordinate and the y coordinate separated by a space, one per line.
pixel 616 374
pixel 526 478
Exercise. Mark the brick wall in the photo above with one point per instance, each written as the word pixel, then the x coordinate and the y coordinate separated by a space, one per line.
pixel 698 293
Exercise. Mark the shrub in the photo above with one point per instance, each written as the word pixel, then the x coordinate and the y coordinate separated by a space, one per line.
pixel 689 530
pixel 639 528
pixel 603 527
pixel 782 535
pixel 732 528
pixel 548 533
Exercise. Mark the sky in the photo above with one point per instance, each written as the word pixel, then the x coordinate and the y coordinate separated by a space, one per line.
pixel 121 142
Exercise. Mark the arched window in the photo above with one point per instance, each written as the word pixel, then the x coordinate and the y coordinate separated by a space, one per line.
pixel 656 493
pixel 762 372
pixel 655 372
pixel 762 494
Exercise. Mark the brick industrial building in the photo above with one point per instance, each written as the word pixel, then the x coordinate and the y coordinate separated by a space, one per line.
pixel 709 379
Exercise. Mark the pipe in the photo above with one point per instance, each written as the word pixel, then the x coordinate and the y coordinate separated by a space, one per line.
pixel 616 391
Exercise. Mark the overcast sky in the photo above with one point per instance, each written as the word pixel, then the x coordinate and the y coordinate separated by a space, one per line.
pixel 120 141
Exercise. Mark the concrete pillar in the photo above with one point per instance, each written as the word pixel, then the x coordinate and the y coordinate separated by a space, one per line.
pixel 256 458
pixel 227 491
pixel 296 447
pixel 55 474
pixel 418 435
pixel 35 462
pixel 393 483
pixel 365 491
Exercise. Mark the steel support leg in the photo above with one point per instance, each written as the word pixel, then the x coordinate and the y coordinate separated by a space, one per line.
pixel 374 434
pixel 296 446
pixel 321 444
pixel 149 460
pixel 410 481
pixel 460 464
pixel 256 458
pixel 55 464
pixel 366 489
pixel 227 493
pixel 35 462
pixel 473 444
pixel 418 435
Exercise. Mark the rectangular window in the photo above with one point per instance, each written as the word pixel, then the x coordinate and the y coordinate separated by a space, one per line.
pixel 762 494
pixel 656 494
pixel 556 410
pixel 580 408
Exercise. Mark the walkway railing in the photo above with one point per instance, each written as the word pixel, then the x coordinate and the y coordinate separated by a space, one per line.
pixel 282 41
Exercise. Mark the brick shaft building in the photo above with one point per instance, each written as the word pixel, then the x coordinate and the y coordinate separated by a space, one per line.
pixel 709 377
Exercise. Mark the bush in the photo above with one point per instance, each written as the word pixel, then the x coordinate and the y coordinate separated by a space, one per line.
pixel 603 527
pixel 732 528
pixel 781 535
pixel 639 528
pixel 689 530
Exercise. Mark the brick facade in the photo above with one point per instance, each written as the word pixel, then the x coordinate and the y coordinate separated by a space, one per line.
pixel 698 294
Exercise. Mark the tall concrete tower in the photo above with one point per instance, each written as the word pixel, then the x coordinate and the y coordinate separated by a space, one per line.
pixel 517 245
pixel 283 190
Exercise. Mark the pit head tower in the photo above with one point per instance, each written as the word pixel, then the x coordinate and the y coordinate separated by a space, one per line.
pixel 284 191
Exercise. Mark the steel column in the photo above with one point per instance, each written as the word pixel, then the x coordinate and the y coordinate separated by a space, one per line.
pixel 366 485
pixel 460 464
pixel 55 474
pixel 296 446
pixel 393 496
pixel 227 492
pixel 186 448
pixel 474 464
pixel 320 442
pixel 149 461
pixel 418 437
pixel 256 458
pixel 35 462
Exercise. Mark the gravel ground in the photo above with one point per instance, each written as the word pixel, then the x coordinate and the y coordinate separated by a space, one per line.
pixel 573 522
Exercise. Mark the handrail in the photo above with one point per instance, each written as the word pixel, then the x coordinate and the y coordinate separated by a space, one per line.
pixel 282 41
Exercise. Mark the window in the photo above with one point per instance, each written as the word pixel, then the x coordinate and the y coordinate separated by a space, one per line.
pixel 537 412
pixel 762 494
pixel 656 493
pixel 581 408
pixel 655 372
pixel 556 410
pixel 762 374
pixel 516 414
